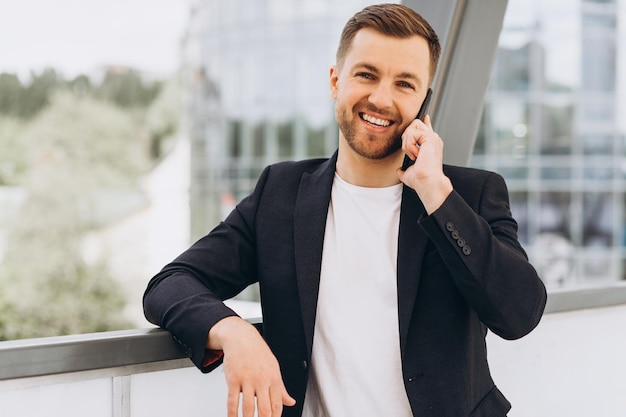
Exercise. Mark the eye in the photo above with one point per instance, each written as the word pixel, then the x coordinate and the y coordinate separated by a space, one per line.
pixel 405 84
pixel 365 75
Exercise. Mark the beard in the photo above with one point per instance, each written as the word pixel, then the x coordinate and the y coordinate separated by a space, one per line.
pixel 365 144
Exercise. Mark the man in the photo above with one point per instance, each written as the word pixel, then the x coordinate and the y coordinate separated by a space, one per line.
pixel 377 285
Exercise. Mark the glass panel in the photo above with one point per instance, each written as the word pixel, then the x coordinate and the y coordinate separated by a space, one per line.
pixel 598 220
pixel 285 139
pixel 258 138
pixel 555 129
pixel 316 141
pixel 551 127
pixel 553 214
pixel 519 209
pixel 234 138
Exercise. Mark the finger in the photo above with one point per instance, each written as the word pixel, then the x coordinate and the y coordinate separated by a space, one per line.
pixel 428 122
pixel 410 145
pixel 408 140
pixel 232 402
pixel 287 399
pixel 275 401
pixel 248 404
pixel 265 404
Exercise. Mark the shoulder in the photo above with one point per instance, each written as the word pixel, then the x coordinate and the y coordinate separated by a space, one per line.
pixel 467 176
pixel 287 175
pixel 462 172
pixel 303 166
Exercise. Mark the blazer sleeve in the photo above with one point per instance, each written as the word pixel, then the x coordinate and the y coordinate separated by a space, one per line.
pixel 479 245
pixel 186 296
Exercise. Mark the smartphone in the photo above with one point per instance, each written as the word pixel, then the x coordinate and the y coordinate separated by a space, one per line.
pixel 420 115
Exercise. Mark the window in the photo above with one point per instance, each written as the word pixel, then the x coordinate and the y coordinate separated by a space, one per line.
pixel 550 126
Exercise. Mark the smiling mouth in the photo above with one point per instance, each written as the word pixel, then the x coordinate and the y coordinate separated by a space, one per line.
pixel 375 121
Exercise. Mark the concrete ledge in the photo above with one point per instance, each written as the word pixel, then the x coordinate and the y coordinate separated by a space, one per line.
pixel 585 298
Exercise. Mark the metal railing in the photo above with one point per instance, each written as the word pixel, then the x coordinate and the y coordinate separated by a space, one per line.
pixel 49 356
pixel 97 365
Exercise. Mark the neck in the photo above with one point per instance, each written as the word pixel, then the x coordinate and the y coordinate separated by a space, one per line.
pixel 365 172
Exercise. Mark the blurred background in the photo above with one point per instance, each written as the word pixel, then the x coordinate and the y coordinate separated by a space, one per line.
pixel 128 129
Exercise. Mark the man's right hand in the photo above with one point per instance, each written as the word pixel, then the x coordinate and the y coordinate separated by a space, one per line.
pixel 251 369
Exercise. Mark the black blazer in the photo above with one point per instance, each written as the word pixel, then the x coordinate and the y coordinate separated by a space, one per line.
pixel 461 271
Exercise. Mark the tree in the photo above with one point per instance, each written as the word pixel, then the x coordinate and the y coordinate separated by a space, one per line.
pixel 126 88
pixel 13 153
pixel 11 92
pixel 77 147
pixel 25 101
pixel 162 117
pixel 38 93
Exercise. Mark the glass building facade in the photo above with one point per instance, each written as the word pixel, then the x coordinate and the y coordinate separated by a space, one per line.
pixel 553 123
pixel 553 126
pixel 258 92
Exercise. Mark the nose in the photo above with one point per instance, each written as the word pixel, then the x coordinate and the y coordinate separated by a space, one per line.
pixel 381 96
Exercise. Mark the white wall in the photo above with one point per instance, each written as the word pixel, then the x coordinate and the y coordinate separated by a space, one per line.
pixel 573 364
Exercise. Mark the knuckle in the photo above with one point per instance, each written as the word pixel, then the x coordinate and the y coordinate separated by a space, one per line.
pixel 277 408
pixel 248 407
pixel 264 410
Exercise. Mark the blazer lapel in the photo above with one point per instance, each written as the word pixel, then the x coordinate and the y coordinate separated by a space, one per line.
pixel 412 241
pixel 310 215
pixel 309 227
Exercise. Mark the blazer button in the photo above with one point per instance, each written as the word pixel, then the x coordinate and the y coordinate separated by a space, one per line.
pixel 460 242
pixel 450 226
pixel 305 365
pixel 455 235
pixel 467 250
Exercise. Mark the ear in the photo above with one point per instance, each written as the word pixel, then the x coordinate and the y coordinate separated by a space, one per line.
pixel 334 80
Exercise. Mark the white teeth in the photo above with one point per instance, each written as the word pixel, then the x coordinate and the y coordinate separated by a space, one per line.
pixel 374 120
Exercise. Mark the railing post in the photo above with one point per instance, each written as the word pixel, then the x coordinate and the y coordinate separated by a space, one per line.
pixel 121 396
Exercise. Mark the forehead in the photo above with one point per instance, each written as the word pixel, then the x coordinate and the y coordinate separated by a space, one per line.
pixel 387 53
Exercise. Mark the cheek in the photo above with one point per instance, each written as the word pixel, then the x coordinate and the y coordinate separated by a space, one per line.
pixel 409 114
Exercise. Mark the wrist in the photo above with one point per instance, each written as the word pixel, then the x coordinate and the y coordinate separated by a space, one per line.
pixel 221 331
pixel 434 194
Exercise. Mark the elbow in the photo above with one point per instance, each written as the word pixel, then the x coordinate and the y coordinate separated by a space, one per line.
pixel 148 308
pixel 524 319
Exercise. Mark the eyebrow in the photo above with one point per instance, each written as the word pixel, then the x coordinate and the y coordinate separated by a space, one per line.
pixel 402 75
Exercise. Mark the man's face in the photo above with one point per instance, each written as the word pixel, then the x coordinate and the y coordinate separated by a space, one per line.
pixel 378 91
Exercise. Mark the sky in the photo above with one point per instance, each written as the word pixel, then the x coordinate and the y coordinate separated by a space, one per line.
pixel 80 36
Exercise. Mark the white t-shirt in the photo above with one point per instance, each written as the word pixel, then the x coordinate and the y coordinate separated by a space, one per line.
pixel 355 366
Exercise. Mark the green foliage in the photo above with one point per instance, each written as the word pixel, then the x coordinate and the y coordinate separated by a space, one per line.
pixel 13 163
pixel 67 298
pixel 126 89
pixel 25 101
pixel 76 148
pixel 11 91
pixel 122 86
pixel 162 118
pixel 92 143
pixel 37 94
pixel 70 145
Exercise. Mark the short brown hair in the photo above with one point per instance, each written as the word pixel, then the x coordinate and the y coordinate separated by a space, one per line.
pixel 394 20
